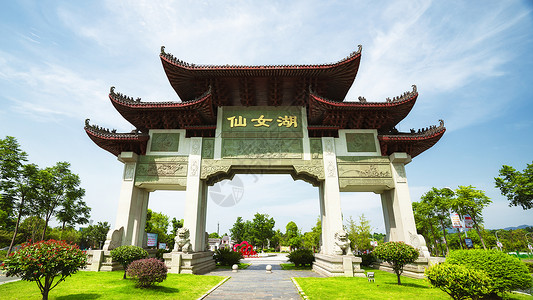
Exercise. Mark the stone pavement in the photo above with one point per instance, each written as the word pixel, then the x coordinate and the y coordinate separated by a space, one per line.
pixel 255 283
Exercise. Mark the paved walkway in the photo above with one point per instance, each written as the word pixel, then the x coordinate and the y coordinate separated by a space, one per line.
pixel 255 283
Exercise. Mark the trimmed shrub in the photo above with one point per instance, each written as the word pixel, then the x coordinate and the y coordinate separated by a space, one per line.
pixel 147 272
pixel 43 261
pixel 3 254
pixel 226 257
pixel 301 257
pixel 367 259
pixel 160 252
pixel 125 255
pixel 398 254
pixel 506 272
pixel 460 282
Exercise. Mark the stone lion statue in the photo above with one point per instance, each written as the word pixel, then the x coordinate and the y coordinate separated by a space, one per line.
pixel 182 241
pixel 342 243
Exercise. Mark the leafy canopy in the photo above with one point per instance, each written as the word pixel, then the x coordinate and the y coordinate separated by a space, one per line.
pixel 516 186
pixel 398 254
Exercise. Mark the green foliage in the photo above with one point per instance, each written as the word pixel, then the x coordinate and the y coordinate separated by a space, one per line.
pixel 471 201
pixel 367 259
pixel 73 211
pixel 94 235
pixel 437 206
pixel 312 238
pixel 214 235
pixel 507 273
pixel 42 262
pixel 301 257
pixel 226 257
pixel 238 231
pixel 257 232
pixel 158 223
pixel 58 187
pixel 68 235
pixel 147 272
pixel 293 236
pixel 460 282
pixel 32 227
pixel 398 254
pixel 3 255
pixel 529 265
pixel 516 186
pixel 359 233
pixel 125 255
pixel 160 252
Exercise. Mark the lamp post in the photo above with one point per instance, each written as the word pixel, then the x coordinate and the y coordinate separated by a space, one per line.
pixel 498 241
pixel 529 247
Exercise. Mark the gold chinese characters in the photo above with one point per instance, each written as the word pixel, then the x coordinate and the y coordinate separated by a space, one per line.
pixel 240 121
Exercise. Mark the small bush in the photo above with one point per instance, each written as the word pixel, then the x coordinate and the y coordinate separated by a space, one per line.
pixel 147 272
pixel 301 257
pixel 460 282
pixel 367 259
pixel 226 257
pixel 127 254
pixel 529 265
pixel 507 273
pixel 3 254
pixel 43 261
pixel 398 254
pixel 160 252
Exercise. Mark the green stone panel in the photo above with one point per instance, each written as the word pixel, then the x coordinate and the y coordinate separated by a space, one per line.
pixel 262 148
pixel 165 142
pixel 316 148
pixel 360 142
pixel 208 148
pixel 364 167
pixel 262 122
pixel 160 168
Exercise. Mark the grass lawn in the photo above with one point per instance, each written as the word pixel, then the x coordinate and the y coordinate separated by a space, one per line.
pixel 385 287
pixel 291 266
pixel 242 266
pixel 110 285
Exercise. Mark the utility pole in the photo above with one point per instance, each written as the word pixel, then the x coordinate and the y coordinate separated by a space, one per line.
pixel 218 228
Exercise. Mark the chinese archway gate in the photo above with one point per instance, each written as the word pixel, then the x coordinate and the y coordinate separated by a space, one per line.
pixel 289 119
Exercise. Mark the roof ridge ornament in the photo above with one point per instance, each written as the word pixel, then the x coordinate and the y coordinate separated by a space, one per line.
pixel 163 50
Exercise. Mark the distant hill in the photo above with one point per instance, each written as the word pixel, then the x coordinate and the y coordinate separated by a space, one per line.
pixel 519 227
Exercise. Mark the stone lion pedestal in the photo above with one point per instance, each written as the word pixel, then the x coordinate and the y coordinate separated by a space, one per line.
pixel 189 263
pixel 338 265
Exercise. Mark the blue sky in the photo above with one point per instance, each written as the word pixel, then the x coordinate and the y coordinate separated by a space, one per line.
pixel 471 60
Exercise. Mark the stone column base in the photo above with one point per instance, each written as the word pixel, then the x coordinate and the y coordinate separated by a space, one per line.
pixel 338 265
pixel 413 270
pixel 189 263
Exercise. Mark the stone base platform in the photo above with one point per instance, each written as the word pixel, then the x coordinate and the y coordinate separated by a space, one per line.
pixel 101 260
pixel 189 263
pixel 338 265
pixel 414 270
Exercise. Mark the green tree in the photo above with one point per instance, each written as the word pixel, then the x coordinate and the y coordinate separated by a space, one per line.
pixel 42 262
pixel 262 229
pixel 214 235
pixel 426 224
pixel 176 225
pixel 94 236
pixel 293 236
pixel 73 212
pixel 58 185
pixel 440 200
pixel 312 238
pixel 516 186
pixel 238 231
pixel 471 201
pixel 32 227
pixel 359 233
pixel 398 254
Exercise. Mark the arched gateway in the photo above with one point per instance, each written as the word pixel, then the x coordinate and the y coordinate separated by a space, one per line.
pixel 264 119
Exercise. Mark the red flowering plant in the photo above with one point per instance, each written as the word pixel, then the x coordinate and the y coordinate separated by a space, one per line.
pixel 43 261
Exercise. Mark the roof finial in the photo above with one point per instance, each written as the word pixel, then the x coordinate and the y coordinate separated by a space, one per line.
pixel 163 50
pixel 87 122
pixel 359 49
pixel 414 88
pixel 441 122
pixel 112 90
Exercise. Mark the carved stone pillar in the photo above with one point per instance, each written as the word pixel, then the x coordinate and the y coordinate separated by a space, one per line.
pixel 195 198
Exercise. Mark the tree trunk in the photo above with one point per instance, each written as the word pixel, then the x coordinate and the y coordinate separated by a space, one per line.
pixel 434 239
pixel 398 276
pixel 444 234
pixel 16 226
pixel 478 232
pixel 47 218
